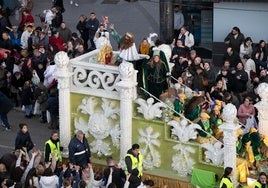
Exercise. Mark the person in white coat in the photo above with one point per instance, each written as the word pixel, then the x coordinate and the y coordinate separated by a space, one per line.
pixel 187 38
pixel 49 180
pixel 25 36
pixel 50 15
pixel 246 50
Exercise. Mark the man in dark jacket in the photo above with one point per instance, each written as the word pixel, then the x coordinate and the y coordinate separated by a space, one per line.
pixel 59 4
pixel 53 108
pixel 231 56
pixel 79 152
pixel 3 22
pixel 234 39
pixel 57 20
pixel 39 63
pixel 23 139
pixel 5 106
pixel 118 175
pixel 263 76
pixel 5 41
pixel 92 26
pixel 240 77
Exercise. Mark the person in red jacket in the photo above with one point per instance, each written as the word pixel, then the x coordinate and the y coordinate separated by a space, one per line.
pixel 26 19
pixel 56 40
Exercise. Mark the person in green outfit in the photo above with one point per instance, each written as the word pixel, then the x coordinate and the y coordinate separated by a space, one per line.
pixel 204 135
pixel 155 75
pixel 193 107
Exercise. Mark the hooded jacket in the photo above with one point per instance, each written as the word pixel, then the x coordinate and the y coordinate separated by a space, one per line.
pixel 49 181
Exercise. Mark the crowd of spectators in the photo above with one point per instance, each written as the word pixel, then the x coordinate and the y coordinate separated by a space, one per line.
pixel 244 67
pixel 27 167
pixel 27 56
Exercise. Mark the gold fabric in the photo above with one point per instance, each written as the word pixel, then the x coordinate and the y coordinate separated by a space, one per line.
pixel 242 169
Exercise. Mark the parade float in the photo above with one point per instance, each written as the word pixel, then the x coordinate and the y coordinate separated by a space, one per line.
pixel 101 100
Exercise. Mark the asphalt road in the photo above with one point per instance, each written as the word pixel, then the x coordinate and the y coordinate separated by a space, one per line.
pixel 38 131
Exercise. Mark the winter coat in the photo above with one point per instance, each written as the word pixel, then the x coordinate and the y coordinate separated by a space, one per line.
pixel 240 85
pixel 118 176
pixel 40 93
pixel 23 140
pixel 79 152
pixel 17 83
pixel 26 96
pixel 65 34
pixel 49 181
pixel 58 42
pixel 53 104
pixel 57 20
pixel 234 59
pixel 92 26
pixel 5 103
pixel 81 27
pixel 6 44
pixel 235 42
pixel 3 24
pixel 15 37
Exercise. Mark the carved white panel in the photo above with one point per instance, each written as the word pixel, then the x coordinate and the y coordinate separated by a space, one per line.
pixel 183 130
pixel 182 162
pixel 103 119
pixel 150 153
pixel 149 109
pixel 214 152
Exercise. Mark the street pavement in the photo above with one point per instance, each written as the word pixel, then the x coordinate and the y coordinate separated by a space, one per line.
pixel 39 131
pixel 140 18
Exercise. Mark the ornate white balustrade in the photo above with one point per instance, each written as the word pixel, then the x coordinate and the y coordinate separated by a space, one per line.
pixel 89 77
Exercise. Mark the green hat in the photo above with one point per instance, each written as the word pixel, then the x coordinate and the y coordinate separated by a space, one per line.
pixel 156 53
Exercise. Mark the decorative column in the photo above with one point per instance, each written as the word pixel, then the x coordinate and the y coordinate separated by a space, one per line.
pixel 63 75
pixel 127 87
pixel 262 107
pixel 229 137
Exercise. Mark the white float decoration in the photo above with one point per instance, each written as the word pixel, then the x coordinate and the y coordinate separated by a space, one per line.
pixel 151 157
pixel 214 153
pixel 182 162
pixel 183 130
pixel 149 109
pixel 101 124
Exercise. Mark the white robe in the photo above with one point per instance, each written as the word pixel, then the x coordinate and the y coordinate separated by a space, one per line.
pixel 130 54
